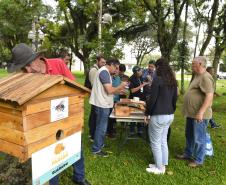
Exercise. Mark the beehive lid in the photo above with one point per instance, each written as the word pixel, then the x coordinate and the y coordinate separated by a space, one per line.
pixel 21 87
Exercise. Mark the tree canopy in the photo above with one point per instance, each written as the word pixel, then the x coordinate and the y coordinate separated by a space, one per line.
pixel 144 25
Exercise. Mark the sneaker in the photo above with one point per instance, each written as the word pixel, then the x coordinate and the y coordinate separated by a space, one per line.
pixel 101 154
pixel 151 165
pixel 84 182
pixel 215 126
pixel 156 170
pixel 91 140
pixel 194 164
pixel 105 146
pixel 183 157
pixel 132 135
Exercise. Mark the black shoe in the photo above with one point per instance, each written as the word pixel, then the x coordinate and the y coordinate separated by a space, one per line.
pixel 139 134
pixel 101 154
pixel 183 157
pixel 111 136
pixel 84 182
pixel 215 126
pixel 131 135
pixel 105 146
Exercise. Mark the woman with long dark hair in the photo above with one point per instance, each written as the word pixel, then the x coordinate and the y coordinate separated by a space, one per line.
pixel 160 108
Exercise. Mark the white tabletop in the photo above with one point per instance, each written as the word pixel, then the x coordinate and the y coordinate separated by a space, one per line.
pixel 138 117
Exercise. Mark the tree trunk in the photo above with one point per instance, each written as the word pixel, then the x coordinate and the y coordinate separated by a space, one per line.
pixel 210 27
pixel 183 49
pixel 166 39
pixel 141 59
pixel 138 59
pixel 165 53
pixel 87 65
pixel 197 39
pixel 84 57
pixel 216 60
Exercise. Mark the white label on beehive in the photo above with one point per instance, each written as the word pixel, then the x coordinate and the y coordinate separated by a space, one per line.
pixel 52 160
pixel 59 109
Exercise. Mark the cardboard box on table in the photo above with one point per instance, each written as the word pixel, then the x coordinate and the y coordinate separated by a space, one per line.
pixel 25 112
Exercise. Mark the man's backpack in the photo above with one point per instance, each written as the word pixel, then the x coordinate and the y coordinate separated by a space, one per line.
pixel 87 81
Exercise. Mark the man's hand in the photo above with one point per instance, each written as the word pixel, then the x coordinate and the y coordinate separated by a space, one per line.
pixel 207 103
pixel 144 83
pixel 199 117
pixel 122 92
pixel 123 87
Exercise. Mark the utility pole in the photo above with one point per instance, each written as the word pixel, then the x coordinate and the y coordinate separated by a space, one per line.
pixel 183 49
pixel 33 38
pixel 99 26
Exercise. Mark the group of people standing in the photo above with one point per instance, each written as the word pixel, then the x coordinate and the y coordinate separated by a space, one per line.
pixel 157 86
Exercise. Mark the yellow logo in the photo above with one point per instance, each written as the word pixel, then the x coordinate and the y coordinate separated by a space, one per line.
pixel 60 153
pixel 59 148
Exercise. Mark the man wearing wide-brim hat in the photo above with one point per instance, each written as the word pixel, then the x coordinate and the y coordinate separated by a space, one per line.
pixel 22 55
pixel 25 59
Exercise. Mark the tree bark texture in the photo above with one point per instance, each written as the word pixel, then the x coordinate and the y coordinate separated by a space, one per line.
pixel 220 40
pixel 167 39
pixel 210 27
pixel 182 52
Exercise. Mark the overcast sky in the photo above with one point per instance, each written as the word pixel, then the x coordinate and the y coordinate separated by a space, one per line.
pixel 50 2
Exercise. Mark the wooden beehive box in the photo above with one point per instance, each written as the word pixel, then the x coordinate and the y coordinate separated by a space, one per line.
pixel 25 103
pixel 126 107
pixel 122 110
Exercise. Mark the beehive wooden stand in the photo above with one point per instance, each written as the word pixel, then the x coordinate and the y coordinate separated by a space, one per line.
pixel 25 102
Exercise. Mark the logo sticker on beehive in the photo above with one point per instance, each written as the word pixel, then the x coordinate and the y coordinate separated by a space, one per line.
pixel 52 160
pixel 59 109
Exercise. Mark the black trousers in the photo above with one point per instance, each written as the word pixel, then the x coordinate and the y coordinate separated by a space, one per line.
pixel 92 122
pixel 111 124
pixel 168 135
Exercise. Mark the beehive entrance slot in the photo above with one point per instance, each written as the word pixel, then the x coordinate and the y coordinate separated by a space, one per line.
pixel 59 134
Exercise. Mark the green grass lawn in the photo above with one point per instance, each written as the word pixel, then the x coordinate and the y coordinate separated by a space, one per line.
pixel 128 168
pixel 3 73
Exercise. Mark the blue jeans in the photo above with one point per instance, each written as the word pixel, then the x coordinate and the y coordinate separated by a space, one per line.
pixel 195 134
pixel 158 130
pixel 102 115
pixel 78 172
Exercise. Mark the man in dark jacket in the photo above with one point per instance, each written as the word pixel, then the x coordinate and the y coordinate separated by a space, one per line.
pixel 136 86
